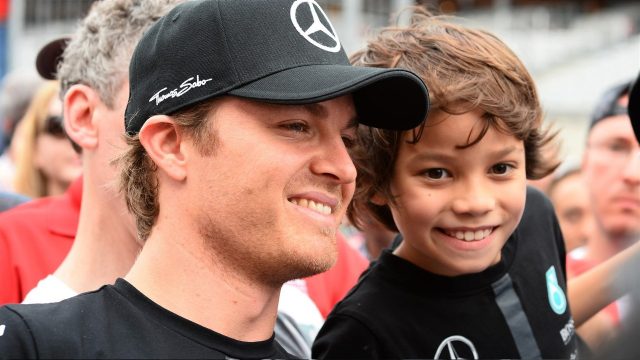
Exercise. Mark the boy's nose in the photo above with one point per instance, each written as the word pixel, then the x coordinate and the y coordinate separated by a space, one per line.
pixel 474 205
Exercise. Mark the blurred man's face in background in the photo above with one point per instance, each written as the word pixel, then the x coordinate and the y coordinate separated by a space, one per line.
pixel 611 167
pixel 570 197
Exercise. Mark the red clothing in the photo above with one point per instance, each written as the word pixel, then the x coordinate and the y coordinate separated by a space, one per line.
pixel 34 239
pixel 329 287
pixel 4 10
pixel 578 263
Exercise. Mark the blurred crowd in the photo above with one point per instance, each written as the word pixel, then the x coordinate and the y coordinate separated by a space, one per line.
pixel 58 189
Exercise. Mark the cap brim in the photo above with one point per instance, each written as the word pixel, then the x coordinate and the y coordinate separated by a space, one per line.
pixel 384 98
pixel 634 107
pixel 49 57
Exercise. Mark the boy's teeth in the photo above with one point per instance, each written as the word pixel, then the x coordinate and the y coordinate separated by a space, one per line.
pixel 470 235
pixel 310 204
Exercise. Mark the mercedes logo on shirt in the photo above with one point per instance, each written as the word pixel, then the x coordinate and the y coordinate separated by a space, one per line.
pixel 456 347
pixel 320 32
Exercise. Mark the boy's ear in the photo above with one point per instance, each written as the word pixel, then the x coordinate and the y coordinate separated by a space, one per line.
pixel 379 200
pixel 163 142
pixel 80 124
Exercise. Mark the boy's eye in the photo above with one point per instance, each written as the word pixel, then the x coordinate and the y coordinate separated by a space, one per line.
pixel 501 169
pixel 436 173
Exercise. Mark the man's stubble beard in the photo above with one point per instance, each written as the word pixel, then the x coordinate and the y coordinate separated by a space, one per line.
pixel 242 253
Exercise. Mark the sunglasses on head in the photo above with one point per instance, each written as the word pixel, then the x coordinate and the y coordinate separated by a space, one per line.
pixel 54 127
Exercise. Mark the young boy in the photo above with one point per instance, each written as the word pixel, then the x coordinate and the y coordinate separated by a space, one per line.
pixel 477 274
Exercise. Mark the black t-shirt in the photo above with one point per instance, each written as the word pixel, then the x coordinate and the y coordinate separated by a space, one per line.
pixel 116 321
pixel 514 309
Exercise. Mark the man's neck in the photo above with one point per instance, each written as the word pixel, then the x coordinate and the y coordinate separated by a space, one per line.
pixel 104 247
pixel 602 246
pixel 174 271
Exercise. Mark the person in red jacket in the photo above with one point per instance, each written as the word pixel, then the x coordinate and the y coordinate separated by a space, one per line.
pixel 34 238
pixel 94 83
pixel 329 287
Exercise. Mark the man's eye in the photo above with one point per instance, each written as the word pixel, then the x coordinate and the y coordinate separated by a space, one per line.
pixel 297 127
pixel 436 173
pixel 573 215
pixel 617 147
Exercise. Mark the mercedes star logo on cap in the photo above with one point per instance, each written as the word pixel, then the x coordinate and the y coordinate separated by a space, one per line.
pixel 318 25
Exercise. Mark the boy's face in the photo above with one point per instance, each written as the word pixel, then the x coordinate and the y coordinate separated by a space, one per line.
pixel 456 207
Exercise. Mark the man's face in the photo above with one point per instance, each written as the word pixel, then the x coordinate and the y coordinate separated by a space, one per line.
pixel 111 122
pixel 570 198
pixel 270 198
pixel 110 145
pixel 612 171
pixel 456 207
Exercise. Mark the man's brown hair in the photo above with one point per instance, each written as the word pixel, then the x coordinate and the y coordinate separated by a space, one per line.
pixel 138 179
pixel 465 69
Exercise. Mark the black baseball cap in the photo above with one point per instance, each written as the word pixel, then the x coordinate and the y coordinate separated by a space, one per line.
pixel 634 107
pixel 276 51
pixel 608 104
pixel 49 56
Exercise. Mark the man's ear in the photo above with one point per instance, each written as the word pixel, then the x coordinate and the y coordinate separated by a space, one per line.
pixel 80 103
pixel 162 140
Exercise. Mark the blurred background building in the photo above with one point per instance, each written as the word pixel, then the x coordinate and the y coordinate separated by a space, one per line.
pixel 574 49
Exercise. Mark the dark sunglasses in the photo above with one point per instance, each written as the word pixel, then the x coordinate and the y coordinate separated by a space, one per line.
pixel 54 127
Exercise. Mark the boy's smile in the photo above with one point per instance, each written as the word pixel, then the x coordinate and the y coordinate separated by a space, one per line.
pixel 456 206
pixel 469 234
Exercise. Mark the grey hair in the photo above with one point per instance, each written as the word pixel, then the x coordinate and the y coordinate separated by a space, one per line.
pixel 100 50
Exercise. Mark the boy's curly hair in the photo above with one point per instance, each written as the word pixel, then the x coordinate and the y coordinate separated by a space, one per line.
pixel 464 69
